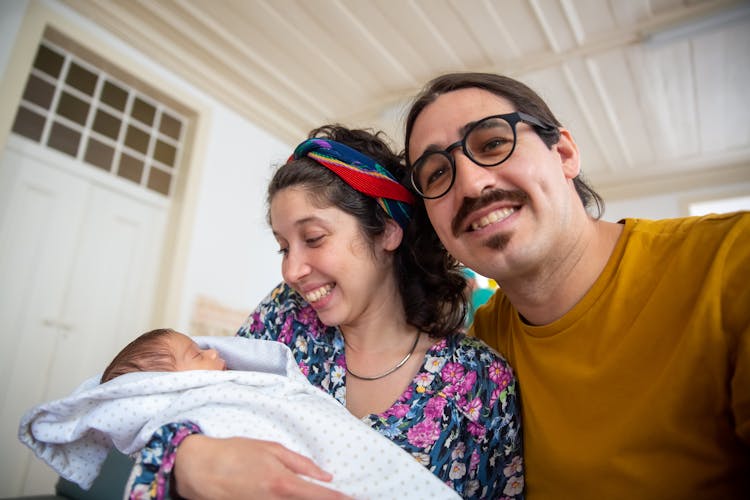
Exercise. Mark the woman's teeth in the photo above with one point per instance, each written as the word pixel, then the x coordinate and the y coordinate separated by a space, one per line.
pixel 492 217
pixel 318 294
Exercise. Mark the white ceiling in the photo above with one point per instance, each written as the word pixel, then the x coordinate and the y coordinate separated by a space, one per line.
pixel 654 91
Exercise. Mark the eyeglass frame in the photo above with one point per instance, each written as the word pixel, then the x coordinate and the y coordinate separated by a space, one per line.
pixel 511 118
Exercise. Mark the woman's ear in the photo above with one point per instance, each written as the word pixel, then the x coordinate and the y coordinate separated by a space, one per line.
pixel 567 148
pixel 392 235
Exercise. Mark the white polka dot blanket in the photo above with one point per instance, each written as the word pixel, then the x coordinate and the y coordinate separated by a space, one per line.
pixel 262 396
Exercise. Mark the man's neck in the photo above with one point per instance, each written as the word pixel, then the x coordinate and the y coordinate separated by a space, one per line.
pixel 554 288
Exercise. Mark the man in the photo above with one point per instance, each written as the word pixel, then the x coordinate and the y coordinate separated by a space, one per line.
pixel 631 341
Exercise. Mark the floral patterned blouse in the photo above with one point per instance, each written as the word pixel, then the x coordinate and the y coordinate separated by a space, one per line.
pixel 459 417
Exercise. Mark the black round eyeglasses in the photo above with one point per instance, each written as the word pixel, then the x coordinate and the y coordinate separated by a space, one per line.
pixel 488 143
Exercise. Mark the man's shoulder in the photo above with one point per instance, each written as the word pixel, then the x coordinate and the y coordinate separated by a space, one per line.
pixel 713 223
pixel 702 233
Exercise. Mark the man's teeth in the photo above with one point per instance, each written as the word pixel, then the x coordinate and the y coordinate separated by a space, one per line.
pixel 492 217
pixel 318 294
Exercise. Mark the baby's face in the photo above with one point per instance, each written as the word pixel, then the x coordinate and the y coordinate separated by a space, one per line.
pixel 189 356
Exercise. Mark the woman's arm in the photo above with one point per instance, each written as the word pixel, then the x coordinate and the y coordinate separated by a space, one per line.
pixel 180 459
pixel 235 468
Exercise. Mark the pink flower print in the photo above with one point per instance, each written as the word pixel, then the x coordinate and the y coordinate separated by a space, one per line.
pixel 398 411
pixel 467 383
pixel 452 372
pixel 304 369
pixel 473 409
pixel 439 346
pixel 451 390
pixel 423 434
pixel 433 363
pixel 495 394
pixel 285 335
pixel 340 361
pixel 256 325
pixel 457 470
pixel 514 486
pixel 476 430
pixel 434 408
pixel 307 316
pixel 458 450
pixel 406 396
pixel 514 467
pixel 500 374
pixel 473 461
pixel 424 379
pixel 471 488
pixel 141 492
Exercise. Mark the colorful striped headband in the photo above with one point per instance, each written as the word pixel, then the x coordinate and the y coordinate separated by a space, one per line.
pixel 362 173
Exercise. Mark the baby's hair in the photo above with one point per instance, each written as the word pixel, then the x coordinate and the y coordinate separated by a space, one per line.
pixel 147 353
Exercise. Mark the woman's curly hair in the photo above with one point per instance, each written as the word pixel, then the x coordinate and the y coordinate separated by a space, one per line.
pixel 431 286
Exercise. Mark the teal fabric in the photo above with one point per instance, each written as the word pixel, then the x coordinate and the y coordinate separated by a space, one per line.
pixel 109 485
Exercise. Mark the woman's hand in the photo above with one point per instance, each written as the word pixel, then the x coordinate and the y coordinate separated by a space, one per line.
pixel 241 468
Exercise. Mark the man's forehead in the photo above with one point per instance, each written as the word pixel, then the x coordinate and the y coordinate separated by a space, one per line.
pixel 451 114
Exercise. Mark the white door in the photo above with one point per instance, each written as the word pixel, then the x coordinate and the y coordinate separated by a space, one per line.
pixel 78 264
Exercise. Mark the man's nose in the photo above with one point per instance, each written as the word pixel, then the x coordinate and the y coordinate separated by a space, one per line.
pixel 471 179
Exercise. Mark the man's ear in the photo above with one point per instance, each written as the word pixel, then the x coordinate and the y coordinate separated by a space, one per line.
pixel 567 148
pixel 392 235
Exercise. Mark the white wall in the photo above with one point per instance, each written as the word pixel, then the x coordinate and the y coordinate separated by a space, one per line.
pixel 11 14
pixel 232 254
pixel 669 205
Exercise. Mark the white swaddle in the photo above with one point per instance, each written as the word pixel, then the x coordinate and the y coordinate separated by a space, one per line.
pixel 268 399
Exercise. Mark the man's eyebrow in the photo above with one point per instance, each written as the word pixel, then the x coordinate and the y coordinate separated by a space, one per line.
pixel 431 148
pixel 462 130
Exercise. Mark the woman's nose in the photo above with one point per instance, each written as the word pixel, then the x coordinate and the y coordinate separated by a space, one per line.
pixel 294 267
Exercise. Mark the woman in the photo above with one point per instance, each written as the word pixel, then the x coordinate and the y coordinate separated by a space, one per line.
pixel 374 319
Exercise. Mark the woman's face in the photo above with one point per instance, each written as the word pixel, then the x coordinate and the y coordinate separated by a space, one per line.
pixel 326 258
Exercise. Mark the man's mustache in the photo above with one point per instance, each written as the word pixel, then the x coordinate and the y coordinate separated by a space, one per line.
pixel 470 205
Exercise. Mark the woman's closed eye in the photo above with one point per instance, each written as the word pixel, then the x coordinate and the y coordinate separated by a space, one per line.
pixel 314 241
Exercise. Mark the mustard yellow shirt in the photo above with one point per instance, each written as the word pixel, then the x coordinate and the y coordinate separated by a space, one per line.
pixel 642 390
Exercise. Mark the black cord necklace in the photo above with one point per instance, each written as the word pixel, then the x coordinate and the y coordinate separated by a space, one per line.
pixel 388 372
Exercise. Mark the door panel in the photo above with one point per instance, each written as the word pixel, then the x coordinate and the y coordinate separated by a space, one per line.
pixel 78 264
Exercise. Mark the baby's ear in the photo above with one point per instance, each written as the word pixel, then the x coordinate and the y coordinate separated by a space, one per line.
pixel 392 235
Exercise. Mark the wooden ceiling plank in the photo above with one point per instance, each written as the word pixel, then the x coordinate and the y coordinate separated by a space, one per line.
pixel 499 28
pixel 587 100
pixel 394 69
pixel 194 27
pixel 145 33
pixel 665 80
pixel 279 85
pixel 448 56
pixel 552 85
pixel 619 75
pixel 721 85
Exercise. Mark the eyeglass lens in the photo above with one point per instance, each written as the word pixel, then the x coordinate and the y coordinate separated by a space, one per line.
pixel 489 142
